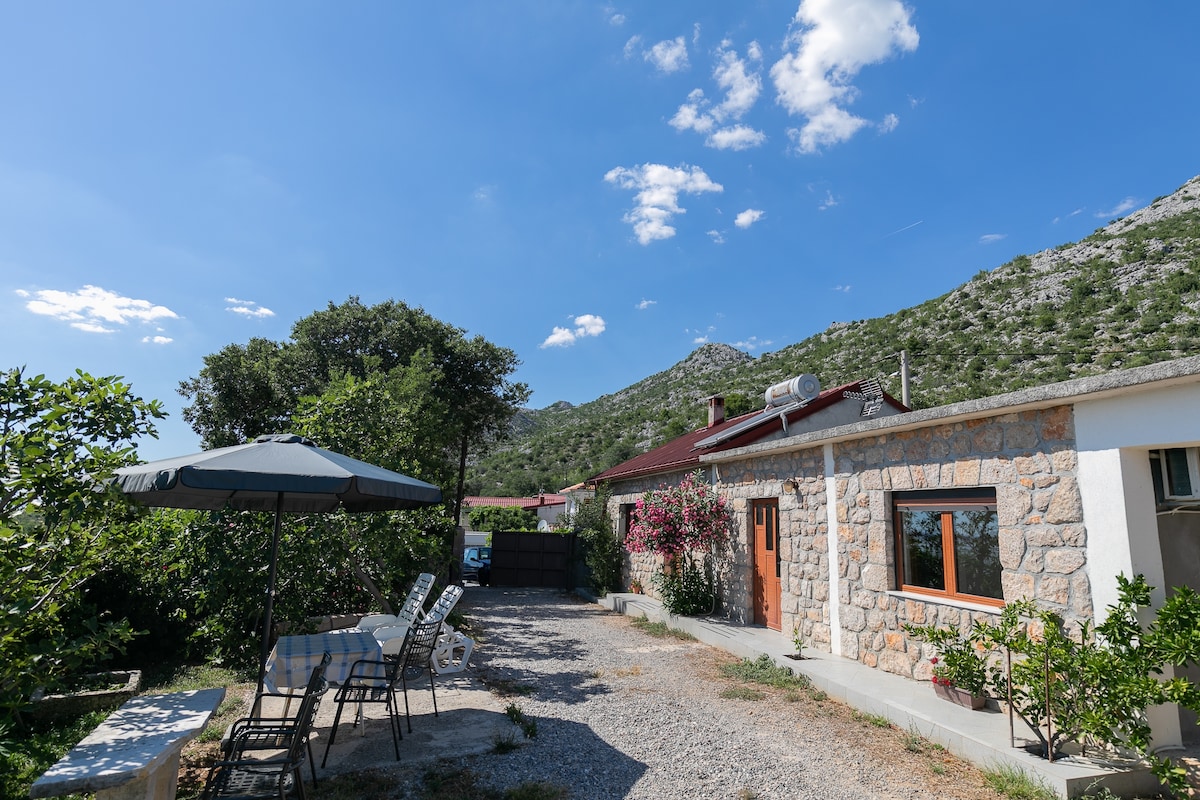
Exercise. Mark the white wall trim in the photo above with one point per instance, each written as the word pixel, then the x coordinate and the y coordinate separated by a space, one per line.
pixel 831 543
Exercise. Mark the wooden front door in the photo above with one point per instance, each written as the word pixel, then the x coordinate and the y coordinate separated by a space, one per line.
pixel 766 563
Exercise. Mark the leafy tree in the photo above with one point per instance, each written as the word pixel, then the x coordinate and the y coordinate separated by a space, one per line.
pixel 602 552
pixel 467 397
pixel 502 518
pixel 59 521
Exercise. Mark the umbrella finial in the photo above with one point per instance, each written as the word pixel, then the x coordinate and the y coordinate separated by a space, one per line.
pixel 285 438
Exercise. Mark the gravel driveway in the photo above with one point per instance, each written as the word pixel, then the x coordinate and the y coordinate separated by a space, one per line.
pixel 623 714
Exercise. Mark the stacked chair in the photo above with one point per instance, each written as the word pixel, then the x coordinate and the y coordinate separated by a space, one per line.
pixel 263 757
pixel 411 611
pixel 401 665
pixel 453 648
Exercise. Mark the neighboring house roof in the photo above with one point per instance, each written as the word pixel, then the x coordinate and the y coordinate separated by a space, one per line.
pixel 521 502
pixel 684 452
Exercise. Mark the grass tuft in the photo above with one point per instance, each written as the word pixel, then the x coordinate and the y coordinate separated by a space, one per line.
pixel 765 671
pixel 1015 783
pixel 660 629
pixel 742 693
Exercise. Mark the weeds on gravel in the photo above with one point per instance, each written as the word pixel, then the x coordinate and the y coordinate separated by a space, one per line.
pixel 463 784
pixel 874 720
pixel 504 743
pixel 528 724
pixel 742 693
pixel 1017 784
pixel 765 671
pixel 506 687
pixel 660 629
pixel 913 741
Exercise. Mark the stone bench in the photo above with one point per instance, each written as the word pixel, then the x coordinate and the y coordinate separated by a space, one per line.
pixel 134 754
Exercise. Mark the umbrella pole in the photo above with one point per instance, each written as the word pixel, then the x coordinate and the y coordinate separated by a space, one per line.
pixel 265 650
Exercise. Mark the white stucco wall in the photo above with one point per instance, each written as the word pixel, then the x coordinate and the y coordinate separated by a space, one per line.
pixel 1113 435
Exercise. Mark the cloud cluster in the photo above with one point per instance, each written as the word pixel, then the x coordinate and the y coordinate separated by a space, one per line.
pixel 829 42
pixel 584 325
pixel 740 80
pixel 833 40
pixel 658 188
pixel 247 308
pixel 748 217
pixel 94 310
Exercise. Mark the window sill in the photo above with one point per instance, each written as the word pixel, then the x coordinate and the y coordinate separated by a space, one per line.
pixel 953 602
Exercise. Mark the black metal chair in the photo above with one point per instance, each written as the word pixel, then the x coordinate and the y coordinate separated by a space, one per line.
pixel 373 681
pixel 241 776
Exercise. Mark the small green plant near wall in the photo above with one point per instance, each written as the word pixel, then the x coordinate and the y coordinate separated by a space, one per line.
pixel 1084 686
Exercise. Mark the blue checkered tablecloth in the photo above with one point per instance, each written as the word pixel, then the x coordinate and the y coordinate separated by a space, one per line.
pixel 293 659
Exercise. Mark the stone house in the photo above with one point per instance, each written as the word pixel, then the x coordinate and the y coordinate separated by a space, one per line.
pixel 845 532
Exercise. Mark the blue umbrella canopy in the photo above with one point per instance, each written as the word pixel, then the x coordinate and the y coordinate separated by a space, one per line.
pixel 283 473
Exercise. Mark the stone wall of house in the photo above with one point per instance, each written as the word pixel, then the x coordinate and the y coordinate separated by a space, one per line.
pixel 731 563
pixel 1030 459
pixel 803 542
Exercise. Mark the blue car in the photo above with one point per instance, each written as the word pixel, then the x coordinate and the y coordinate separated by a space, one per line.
pixel 477 565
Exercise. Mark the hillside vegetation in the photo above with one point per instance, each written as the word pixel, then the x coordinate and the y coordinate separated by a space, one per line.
pixel 1127 295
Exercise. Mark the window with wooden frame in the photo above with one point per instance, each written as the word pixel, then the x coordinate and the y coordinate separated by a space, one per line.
pixel 625 518
pixel 948 544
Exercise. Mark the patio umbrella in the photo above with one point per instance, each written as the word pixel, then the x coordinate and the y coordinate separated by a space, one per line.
pixel 280 473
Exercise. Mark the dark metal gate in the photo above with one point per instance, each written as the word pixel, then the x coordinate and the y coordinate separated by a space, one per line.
pixel 527 558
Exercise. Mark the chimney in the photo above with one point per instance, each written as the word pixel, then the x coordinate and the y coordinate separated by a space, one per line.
pixel 716 410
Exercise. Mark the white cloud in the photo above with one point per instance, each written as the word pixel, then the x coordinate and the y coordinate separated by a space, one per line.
pixel 716 236
pixel 748 217
pixel 889 123
pixel 829 202
pixel 615 18
pixel 991 238
pixel 742 87
pixel 1074 213
pixel 833 40
pixel 247 308
pixel 93 310
pixel 844 289
pixel 585 325
pixel 632 45
pixel 700 340
pixel 642 306
pixel 1128 204
pixel 669 55
pixel 658 189
pixel 736 137
pixel 157 340
pixel 753 343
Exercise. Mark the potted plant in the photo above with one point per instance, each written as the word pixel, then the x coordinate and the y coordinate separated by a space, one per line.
pixel 960 670
pixel 635 586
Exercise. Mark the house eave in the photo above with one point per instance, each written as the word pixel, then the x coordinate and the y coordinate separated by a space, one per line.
pixel 1163 374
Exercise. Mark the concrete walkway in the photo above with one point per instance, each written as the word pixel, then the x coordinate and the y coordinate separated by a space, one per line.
pixel 982 737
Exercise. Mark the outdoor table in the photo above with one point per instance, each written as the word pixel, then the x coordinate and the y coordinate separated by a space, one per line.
pixel 294 657
pixel 135 751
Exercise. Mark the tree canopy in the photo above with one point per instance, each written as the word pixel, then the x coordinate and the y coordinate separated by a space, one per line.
pixel 435 394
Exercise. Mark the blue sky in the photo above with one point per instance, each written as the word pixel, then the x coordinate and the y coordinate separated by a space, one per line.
pixel 600 187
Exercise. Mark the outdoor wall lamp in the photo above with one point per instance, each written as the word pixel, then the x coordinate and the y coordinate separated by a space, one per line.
pixel 789 485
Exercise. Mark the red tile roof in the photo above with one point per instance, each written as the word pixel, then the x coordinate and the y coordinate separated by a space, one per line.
pixel 681 453
pixel 521 502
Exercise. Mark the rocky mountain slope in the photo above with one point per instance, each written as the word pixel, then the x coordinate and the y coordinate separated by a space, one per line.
pixel 1129 294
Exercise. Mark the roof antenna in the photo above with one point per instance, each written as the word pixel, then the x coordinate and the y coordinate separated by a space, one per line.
pixel 871 393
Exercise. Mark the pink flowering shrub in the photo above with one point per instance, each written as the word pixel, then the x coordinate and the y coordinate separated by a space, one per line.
pixel 677 519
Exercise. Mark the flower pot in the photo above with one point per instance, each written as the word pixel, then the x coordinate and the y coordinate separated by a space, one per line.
pixel 960 696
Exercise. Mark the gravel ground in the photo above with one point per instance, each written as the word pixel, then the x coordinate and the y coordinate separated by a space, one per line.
pixel 623 714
